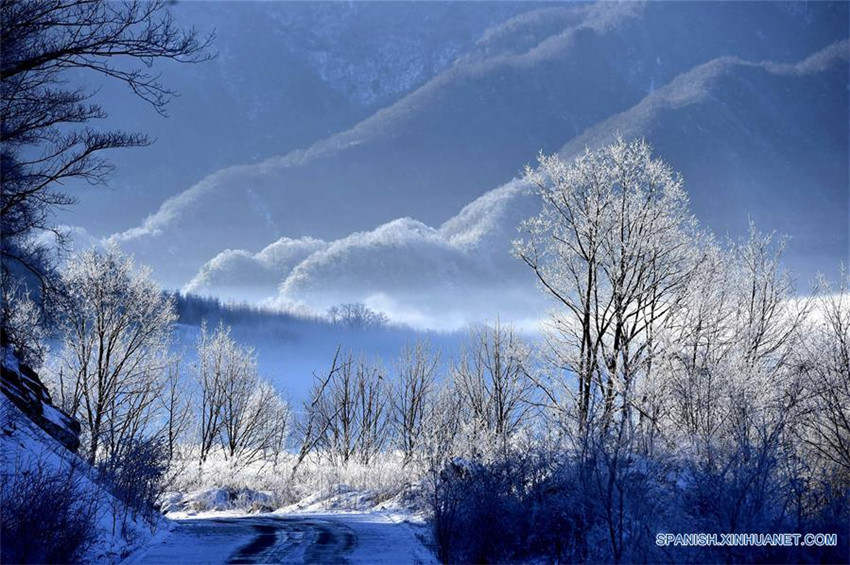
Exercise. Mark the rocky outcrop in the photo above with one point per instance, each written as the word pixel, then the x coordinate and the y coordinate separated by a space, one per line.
pixel 26 391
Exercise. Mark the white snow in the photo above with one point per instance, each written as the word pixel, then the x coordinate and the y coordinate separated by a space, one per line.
pixel 24 445
pixel 355 537
pixel 333 524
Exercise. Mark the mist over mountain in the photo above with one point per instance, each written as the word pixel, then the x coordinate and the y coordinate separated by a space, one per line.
pixel 379 168
pixel 292 346
pixel 783 181
pixel 755 141
pixel 534 81
pixel 286 75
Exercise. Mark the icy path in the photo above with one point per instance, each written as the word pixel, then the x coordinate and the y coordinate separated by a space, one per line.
pixel 289 538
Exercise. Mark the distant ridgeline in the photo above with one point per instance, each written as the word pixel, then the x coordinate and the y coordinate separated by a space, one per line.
pixel 193 309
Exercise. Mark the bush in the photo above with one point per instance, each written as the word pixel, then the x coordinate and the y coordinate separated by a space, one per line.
pixel 548 506
pixel 47 515
pixel 518 507
pixel 135 476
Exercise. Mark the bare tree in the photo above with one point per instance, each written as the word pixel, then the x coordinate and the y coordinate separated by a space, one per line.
pixel 492 380
pixel 443 417
pixel 357 316
pixel 260 429
pixel 698 335
pixel 42 118
pixel 825 423
pixel 238 381
pixel 213 351
pixel 346 416
pixel 341 412
pixel 276 426
pixel 116 327
pixel 767 318
pixel 371 410
pixel 733 392
pixel 176 403
pixel 317 417
pixel 412 393
pixel 238 411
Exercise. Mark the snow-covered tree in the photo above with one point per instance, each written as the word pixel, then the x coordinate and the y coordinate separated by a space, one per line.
pixel 491 380
pixel 357 316
pixel 23 322
pixel 176 402
pixel 214 353
pixel 825 368
pixel 116 325
pixel 413 389
pixel 236 409
pixel 612 246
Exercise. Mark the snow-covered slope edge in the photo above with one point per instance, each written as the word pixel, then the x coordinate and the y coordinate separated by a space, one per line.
pixel 25 390
pixel 34 462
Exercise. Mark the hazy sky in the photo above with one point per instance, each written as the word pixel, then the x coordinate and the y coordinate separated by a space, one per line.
pixel 366 152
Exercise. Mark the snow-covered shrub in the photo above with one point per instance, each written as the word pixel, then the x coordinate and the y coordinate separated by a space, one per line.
pixel 218 484
pixel 134 475
pixel 523 506
pixel 47 515
pixel 215 499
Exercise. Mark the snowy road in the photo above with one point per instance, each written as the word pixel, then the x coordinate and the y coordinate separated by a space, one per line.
pixel 304 538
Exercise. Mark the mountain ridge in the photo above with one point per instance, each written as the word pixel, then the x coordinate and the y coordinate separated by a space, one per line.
pixel 474 133
pixel 471 248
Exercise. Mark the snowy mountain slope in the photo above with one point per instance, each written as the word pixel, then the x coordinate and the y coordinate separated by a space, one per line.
pixel 533 82
pixel 286 76
pixel 760 141
pixel 734 111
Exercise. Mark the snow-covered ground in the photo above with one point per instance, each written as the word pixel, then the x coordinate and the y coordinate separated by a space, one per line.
pixel 282 537
pixel 354 514
pixel 26 448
